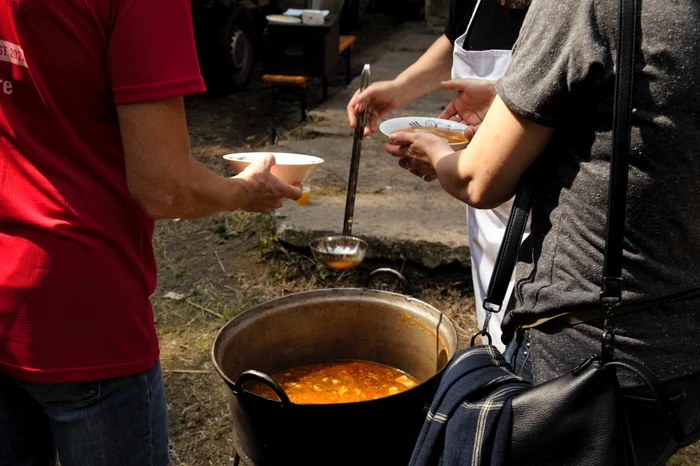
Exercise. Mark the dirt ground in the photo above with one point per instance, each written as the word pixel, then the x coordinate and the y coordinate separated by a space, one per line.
pixel 222 265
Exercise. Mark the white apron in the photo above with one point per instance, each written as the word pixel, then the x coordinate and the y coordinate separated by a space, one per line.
pixel 485 227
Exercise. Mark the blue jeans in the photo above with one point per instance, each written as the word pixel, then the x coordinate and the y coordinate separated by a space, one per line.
pixel 518 355
pixel 111 422
pixel 653 443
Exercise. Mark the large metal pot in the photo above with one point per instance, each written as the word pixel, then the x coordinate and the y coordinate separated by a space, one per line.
pixel 325 325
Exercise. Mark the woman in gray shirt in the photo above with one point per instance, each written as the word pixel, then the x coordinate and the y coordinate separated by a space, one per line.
pixel 554 108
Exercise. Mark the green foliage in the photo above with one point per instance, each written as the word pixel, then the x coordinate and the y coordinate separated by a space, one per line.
pixel 232 226
pixel 268 242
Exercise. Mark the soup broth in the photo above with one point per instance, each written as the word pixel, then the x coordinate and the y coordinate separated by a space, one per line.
pixel 449 135
pixel 337 382
pixel 341 264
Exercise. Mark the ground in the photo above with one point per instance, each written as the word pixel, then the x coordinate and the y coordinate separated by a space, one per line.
pixel 214 268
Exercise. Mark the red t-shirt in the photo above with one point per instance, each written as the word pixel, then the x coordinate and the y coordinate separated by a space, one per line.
pixel 76 260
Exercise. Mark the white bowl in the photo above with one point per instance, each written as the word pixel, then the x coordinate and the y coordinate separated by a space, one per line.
pixel 292 168
pixel 395 124
pixel 283 19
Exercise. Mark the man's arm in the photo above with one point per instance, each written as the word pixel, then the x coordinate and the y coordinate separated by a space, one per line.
pixel 168 183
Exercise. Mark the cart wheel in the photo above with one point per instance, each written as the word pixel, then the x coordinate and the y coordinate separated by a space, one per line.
pixel 235 50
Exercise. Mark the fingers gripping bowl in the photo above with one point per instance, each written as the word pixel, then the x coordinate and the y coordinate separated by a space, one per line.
pixel 451 131
pixel 292 168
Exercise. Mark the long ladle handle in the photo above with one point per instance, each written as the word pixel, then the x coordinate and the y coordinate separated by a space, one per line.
pixel 355 161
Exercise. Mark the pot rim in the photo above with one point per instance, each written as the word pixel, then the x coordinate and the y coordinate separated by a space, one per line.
pixel 230 383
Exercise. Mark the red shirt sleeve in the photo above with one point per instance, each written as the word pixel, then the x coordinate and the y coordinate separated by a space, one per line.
pixel 151 53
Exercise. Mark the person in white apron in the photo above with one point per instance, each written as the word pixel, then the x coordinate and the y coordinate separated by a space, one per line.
pixel 492 24
pixel 486 227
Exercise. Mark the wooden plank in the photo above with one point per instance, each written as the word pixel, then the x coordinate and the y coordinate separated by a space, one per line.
pixel 346 42
pixel 285 79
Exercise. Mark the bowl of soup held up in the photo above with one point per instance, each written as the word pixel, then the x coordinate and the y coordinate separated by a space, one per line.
pixel 450 131
pixel 292 168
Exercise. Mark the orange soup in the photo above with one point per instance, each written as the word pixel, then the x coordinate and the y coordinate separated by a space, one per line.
pixel 342 264
pixel 337 382
pixel 449 135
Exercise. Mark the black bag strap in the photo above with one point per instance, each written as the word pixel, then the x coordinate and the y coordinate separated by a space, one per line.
pixel 508 252
pixel 611 290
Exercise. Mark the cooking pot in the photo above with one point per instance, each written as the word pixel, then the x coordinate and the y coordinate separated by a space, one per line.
pixel 327 325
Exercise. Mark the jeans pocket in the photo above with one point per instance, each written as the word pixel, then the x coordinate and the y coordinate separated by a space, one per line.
pixel 53 393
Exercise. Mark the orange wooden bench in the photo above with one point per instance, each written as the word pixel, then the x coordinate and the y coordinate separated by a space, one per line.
pixel 300 83
pixel 284 80
pixel 280 82
pixel 345 45
pixel 345 42
pixel 345 48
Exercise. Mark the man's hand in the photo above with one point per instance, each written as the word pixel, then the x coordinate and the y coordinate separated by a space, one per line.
pixel 265 191
pixel 471 103
pixel 380 98
pixel 418 152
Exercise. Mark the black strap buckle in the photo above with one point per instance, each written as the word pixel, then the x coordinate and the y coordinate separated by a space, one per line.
pixel 490 307
pixel 611 292
pixel 484 332
pixel 608 349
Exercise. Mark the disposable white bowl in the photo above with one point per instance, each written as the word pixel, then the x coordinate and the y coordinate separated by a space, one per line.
pixel 389 126
pixel 292 168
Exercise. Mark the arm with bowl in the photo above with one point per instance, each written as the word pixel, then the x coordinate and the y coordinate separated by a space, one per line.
pixel 443 65
pixel 429 72
pixel 424 76
pixel 486 173
pixel 168 182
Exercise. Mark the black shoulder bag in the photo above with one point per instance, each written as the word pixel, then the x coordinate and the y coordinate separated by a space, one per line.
pixel 579 418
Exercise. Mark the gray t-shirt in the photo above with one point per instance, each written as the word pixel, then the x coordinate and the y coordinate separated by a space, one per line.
pixel 561 76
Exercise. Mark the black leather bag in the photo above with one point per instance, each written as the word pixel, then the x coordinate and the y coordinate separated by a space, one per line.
pixel 579 418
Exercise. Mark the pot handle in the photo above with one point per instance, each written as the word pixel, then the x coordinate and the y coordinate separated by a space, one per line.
pixel 373 277
pixel 261 377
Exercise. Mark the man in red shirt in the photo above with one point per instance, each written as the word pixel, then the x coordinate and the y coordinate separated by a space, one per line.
pixel 93 147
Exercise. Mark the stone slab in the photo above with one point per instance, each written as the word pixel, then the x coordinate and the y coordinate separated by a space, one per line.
pixel 408 227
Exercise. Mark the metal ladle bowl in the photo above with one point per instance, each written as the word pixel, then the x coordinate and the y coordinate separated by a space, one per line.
pixel 339 252
pixel 346 251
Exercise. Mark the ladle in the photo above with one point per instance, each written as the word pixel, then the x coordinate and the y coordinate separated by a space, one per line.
pixel 346 251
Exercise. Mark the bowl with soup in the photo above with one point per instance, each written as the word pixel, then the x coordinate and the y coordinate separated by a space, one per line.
pixel 450 131
pixel 292 168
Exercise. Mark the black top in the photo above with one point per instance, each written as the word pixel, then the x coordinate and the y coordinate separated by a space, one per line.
pixel 495 27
